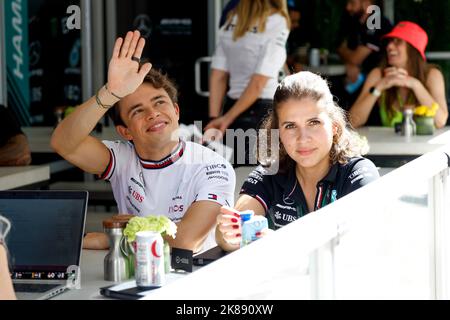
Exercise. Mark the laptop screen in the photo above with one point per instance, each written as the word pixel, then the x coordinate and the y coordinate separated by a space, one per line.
pixel 46 231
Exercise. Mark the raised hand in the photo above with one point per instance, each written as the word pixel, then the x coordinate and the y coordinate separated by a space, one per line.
pixel 125 74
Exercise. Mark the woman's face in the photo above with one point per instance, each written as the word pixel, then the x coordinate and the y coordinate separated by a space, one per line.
pixel 396 52
pixel 306 132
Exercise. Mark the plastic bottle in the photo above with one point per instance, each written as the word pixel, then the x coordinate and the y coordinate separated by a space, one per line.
pixel 251 224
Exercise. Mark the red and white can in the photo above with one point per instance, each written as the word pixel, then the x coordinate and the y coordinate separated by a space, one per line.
pixel 149 259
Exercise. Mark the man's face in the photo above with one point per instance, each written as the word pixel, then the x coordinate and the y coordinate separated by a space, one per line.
pixel 295 18
pixel 355 8
pixel 150 116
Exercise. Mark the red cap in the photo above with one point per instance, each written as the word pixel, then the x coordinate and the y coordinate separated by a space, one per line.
pixel 411 33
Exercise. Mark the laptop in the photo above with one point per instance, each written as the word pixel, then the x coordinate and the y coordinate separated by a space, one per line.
pixel 204 258
pixel 45 240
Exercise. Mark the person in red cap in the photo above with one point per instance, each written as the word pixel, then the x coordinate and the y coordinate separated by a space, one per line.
pixel 403 80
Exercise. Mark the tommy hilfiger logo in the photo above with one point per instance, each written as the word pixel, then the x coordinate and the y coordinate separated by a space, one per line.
pixel 212 196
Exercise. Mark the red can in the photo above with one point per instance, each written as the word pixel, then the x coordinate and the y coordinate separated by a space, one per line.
pixel 149 259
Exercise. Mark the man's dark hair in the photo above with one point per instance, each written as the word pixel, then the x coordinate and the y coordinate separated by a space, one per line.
pixel 157 80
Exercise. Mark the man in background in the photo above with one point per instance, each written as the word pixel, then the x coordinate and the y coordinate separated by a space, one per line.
pixel 360 45
pixel 14 149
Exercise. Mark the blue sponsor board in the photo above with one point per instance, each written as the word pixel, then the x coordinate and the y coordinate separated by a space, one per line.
pixel 17 58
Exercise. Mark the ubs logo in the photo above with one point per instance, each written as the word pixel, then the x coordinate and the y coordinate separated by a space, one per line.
pixel 136 195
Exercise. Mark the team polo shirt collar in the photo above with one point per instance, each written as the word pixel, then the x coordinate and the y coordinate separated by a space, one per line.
pixel 167 161
pixel 332 174
pixel 293 192
pixel 291 181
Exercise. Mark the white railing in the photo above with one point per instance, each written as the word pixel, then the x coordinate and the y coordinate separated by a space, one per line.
pixel 388 240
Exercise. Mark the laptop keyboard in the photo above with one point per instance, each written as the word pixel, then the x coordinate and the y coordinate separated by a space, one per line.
pixel 35 287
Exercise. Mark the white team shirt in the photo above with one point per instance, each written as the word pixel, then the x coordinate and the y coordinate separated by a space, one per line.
pixel 254 53
pixel 168 187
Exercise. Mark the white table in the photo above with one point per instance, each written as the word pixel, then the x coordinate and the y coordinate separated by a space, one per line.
pixel 39 141
pixel 327 70
pixel 39 137
pixel 16 177
pixel 92 277
pixel 384 141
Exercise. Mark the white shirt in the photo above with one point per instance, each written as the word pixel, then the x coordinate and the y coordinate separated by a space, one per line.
pixel 254 53
pixel 168 187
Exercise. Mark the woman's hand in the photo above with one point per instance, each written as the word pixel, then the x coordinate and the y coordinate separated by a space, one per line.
pixel 125 75
pixel 215 130
pixel 229 225
pixel 396 77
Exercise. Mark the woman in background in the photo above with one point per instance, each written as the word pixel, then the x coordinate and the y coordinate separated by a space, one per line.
pixel 404 80
pixel 250 53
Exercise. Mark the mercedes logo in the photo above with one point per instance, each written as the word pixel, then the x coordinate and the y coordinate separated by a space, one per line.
pixel 143 23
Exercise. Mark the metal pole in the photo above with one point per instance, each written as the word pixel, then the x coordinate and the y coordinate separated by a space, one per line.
pixel 98 52
pixel 3 95
pixel 86 58
pixel 111 26
pixel 86 50
pixel 214 11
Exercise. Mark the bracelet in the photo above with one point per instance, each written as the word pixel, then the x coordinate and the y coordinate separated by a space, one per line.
pixel 112 93
pixel 100 104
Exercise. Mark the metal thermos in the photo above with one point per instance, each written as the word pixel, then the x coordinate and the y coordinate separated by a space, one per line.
pixel 314 57
pixel 115 263
pixel 408 124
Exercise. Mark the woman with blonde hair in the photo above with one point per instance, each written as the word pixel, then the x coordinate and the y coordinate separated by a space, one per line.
pixel 319 159
pixel 250 53
pixel 404 80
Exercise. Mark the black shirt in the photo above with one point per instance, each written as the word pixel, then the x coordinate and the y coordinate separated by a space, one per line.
pixel 358 34
pixel 282 196
pixel 8 126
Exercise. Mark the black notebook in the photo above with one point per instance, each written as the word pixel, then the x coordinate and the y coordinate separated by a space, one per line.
pixel 126 291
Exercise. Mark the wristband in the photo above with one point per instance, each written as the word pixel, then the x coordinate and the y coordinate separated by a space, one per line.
pixel 375 92
pixel 112 93
pixel 100 104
